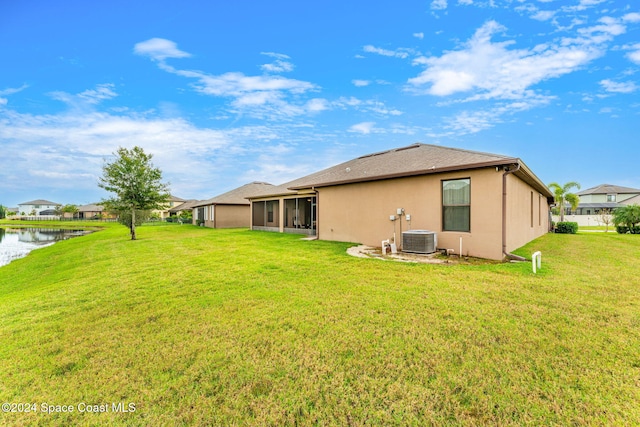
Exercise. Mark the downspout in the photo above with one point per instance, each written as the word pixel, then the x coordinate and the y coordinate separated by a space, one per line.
pixel 504 214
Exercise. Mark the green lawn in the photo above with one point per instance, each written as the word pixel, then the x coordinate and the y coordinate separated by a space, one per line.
pixel 196 326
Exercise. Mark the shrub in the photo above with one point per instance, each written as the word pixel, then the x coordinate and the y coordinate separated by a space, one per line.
pixel 567 227
pixel 622 229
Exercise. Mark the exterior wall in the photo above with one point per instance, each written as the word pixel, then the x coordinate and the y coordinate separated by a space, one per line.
pixel 232 216
pixel 27 209
pixel 360 212
pixel 525 220
pixel 226 216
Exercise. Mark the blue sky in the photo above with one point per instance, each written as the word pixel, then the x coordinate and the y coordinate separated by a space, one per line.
pixel 225 93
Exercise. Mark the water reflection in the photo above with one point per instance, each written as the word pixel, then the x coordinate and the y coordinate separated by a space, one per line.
pixel 18 242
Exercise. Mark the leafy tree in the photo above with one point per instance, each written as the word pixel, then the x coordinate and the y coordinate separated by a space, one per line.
pixel 3 212
pixel 627 216
pixel 562 195
pixel 70 209
pixel 137 185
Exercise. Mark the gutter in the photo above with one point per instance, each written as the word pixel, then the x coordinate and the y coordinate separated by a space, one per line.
pixel 508 255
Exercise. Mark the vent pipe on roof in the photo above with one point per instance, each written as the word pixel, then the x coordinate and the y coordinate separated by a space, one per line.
pixel 504 213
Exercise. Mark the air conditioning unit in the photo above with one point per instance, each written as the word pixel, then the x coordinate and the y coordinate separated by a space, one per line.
pixel 419 241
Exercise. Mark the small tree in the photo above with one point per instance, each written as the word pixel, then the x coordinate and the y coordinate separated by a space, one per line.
pixel 562 195
pixel 137 185
pixel 605 217
pixel 627 216
pixel 70 209
pixel 3 212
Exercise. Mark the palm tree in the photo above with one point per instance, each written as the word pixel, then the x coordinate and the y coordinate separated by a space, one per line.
pixel 627 216
pixel 563 195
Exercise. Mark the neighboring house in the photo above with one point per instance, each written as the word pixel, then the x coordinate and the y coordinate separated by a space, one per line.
pixel 230 209
pixel 38 208
pixel 593 201
pixel 485 204
pixel 186 206
pixel 173 202
pixel 93 211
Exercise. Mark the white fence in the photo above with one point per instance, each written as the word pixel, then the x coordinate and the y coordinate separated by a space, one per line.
pixel 585 220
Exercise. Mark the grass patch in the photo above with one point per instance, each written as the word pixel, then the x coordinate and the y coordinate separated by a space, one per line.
pixel 234 327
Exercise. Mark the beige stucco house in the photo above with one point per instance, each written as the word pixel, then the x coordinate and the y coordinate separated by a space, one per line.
pixel 230 209
pixel 486 204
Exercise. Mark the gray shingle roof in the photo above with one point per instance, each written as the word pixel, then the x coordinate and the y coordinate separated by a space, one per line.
pixel 608 189
pixel 40 202
pixel 184 206
pixel 90 208
pixel 413 160
pixel 238 196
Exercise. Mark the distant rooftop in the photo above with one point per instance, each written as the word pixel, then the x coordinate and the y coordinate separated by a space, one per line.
pixel 608 189
pixel 39 202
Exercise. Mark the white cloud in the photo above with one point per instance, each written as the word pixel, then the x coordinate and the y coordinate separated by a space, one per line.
pixel 617 87
pixel 634 55
pixel 439 4
pixel 494 70
pixel 361 83
pixel 543 15
pixel 398 53
pixel 100 93
pixel 367 106
pixel 633 17
pixel 317 104
pixel 87 97
pixel 159 49
pixel 10 91
pixel 364 128
pixel 418 35
pixel 260 96
pixel 280 65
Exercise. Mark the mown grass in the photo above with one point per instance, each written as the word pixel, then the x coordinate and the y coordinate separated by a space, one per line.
pixel 232 327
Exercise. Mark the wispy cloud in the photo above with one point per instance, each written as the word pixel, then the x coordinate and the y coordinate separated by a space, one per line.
pixel 493 70
pixel 10 91
pixel 398 53
pixel 260 96
pixel 618 87
pixel 439 4
pixel 418 35
pixel 280 65
pixel 88 97
pixel 369 106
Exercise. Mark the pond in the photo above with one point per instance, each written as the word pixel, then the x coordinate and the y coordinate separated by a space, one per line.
pixel 18 242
